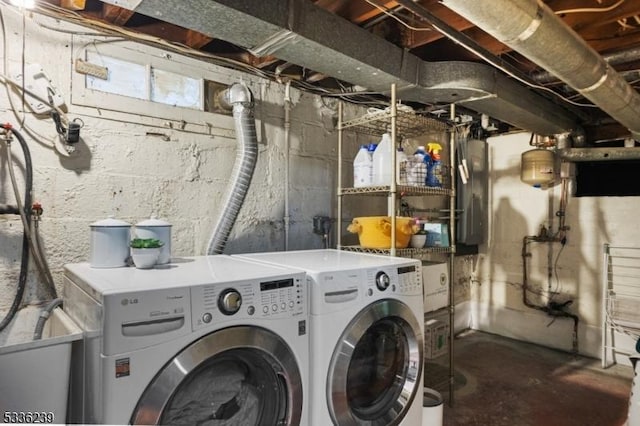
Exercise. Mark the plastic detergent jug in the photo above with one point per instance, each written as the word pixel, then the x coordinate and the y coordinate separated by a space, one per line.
pixel 382 162
pixel 401 167
pixel 434 165
pixel 362 168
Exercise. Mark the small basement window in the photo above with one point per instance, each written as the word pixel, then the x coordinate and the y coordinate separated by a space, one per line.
pixel 146 82
pixel 607 178
pixel 150 86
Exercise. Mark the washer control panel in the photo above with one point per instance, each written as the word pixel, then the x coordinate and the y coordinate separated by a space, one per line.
pixel 272 298
pixel 404 280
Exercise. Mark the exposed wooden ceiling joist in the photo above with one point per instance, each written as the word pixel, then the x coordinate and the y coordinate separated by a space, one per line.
pixel 196 40
pixel 116 15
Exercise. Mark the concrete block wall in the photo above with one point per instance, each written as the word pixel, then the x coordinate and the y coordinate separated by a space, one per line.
pixel 120 170
pixel 516 210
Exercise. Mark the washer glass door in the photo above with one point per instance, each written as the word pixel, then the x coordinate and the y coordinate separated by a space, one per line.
pixel 235 376
pixel 375 369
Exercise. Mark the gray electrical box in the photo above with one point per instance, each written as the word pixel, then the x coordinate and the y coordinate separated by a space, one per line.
pixel 471 197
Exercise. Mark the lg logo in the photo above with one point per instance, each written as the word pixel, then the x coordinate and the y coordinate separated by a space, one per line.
pixel 126 302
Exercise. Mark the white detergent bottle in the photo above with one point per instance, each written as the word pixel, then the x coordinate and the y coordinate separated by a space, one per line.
pixel 362 168
pixel 382 162
pixel 402 162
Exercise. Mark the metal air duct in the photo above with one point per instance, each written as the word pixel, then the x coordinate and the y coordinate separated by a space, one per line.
pixel 532 29
pixel 302 33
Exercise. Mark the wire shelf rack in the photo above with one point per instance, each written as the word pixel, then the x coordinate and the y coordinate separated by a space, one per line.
pixel 408 123
pixel 405 252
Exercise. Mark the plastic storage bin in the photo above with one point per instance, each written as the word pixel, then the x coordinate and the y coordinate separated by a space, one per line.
pixel 35 375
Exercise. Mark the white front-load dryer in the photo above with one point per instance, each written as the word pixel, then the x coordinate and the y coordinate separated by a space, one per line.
pixel 204 340
pixel 366 327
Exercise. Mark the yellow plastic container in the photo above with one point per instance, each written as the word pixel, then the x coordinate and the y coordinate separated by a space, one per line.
pixel 374 232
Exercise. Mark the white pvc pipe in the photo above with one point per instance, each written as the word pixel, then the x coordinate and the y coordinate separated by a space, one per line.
pixel 287 141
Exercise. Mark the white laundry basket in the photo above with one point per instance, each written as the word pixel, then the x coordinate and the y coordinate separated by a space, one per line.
pixel 432 408
pixel 34 375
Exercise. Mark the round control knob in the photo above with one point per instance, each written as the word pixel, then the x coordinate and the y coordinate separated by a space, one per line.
pixel 382 281
pixel 229 301
pixel 207 317
pixel 265 309
pixel 251 310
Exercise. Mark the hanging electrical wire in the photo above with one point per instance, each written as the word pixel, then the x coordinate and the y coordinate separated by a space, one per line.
pixel 589 9
pixel 391 15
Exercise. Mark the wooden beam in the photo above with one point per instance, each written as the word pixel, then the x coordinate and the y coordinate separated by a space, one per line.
pixel 620 42
pixel 263 61
pixel 587 21
pixel 419 38
pixel 196 39
pixel 116 15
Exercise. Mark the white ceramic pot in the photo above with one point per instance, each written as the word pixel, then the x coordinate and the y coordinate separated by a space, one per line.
pixel 418 240
pixel 145 258
pixel 160 230
pixel 109 243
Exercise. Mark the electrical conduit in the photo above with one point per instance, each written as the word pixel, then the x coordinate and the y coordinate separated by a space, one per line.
pixel 239 97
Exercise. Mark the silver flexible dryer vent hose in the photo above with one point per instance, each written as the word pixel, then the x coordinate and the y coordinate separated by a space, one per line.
pixel 239 97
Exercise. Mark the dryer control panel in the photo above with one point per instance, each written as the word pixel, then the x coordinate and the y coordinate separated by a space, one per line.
pixel 284 297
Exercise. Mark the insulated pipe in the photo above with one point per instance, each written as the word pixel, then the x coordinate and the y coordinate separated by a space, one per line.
pixel 575 155
pixel 615 58
pixel 533 30
pixel 239 97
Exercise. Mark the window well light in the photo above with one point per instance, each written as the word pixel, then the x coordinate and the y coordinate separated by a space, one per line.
pixel 26 4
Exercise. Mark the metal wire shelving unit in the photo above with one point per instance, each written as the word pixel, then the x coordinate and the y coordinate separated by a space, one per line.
pixel 398 121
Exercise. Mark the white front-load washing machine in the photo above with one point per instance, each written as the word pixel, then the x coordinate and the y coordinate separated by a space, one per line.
pixel 366 330
pixel 204 340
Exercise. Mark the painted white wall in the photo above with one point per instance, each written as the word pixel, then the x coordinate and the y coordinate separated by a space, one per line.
pixel 120 170
pixel 516 210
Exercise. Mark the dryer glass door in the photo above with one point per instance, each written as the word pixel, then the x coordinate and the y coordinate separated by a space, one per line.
pixel 375 369
pixel 235 376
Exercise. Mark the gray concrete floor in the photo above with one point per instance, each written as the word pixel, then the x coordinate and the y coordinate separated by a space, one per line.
pixel 504 382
